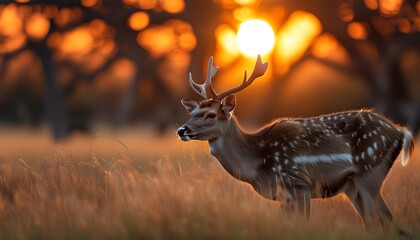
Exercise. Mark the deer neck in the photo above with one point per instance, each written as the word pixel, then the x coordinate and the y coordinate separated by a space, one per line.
pixel 235 152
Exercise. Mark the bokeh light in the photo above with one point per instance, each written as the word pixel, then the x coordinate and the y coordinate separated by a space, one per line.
pixel 295 37
pixel 37 26
pixel 226 47
pixel 11 29
pixel 173 35
pixel 243 13
pixel 245 2
pixel 173 6
pixel 10 22
pixel 158 40
pixel 328 47
pixel 371 4
pixel 357 31
pixel 346 12
pixel 147 4
pixel 255 37
pixel 138 20
pixel 89 3
pixel 390 7
pixel 88 46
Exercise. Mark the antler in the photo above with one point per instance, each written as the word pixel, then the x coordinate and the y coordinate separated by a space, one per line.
pixel 259 70
pixel 200 89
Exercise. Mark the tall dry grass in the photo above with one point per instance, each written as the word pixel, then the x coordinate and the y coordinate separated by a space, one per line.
pixel 184 195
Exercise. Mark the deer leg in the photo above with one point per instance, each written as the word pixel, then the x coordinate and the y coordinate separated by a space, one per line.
pixel 379 212
pixel 352 194
pixel 368 191
pixel 368 210
pixel 385 216
pixel 359 203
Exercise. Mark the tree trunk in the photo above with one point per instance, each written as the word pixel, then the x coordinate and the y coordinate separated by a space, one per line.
pixel 54 107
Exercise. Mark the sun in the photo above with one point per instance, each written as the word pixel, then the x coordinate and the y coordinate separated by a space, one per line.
pixel 255 37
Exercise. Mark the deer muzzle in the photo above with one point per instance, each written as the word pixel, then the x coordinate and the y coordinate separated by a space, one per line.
pixel 183 133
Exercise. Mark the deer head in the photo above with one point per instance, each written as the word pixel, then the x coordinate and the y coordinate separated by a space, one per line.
pixel 209 117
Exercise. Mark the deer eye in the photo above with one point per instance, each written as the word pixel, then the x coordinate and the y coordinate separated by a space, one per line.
pixel 211 116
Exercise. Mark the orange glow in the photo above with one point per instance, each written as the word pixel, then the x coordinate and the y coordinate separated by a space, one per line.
pixel 245 2
pixel 187 41
pixel 243 13
pixel 89 3
pixel 37 26
pixel 390 7
pixel 108 47
pixel 346 12
pixel 22 1
pixel 404 25
pixel 173 6
pixel 147 4
pixel 324 45
pixel 68 15
pixel 13 44
pixel 130 2
pixel 138 20
pixel 228 4
pixel 53 40
pixel 117 76
pixel 226 38
pixel 51 11
pixel 11 29
pixel 24 11
pixel 158 40
pixel 371 4
pixel 77 42
pixel 123 69
pixel 296 35
pixel 173 70
pixel 10 23
pixel 226 48
pixel 357 30
pixel 89 45
pixel 173 35
pixel 179 26
pixel 327 46
pixel 98 27
pixel 63 18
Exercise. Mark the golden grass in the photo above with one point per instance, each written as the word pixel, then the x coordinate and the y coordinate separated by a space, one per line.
pixel 159 188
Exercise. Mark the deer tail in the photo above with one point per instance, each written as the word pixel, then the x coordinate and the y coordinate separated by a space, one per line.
pixel 408 146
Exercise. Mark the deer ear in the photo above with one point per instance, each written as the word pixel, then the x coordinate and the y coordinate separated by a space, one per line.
pixel 228 103
pixel 189 104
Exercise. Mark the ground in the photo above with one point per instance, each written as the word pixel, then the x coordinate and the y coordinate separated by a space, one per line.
pixel 131 184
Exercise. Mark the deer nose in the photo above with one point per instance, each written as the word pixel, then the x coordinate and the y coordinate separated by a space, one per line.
pixel 182 131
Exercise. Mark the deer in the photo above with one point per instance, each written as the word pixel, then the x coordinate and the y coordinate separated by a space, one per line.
pixel 347 152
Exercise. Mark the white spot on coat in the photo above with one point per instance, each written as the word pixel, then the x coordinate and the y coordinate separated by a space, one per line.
pixel 370 151
pixel 383 139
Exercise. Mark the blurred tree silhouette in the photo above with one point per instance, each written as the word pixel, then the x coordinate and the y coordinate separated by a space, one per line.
pixel 129 59
pixel 88 43
pixel 375 34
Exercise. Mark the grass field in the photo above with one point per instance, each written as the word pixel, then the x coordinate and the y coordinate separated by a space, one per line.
pixel 132 185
